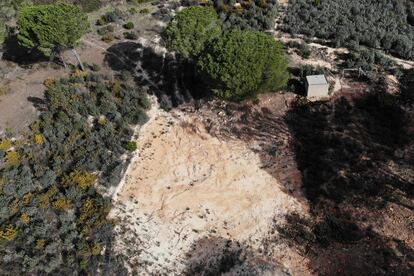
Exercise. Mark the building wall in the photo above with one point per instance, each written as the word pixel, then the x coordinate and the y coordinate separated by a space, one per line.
pixel 318 91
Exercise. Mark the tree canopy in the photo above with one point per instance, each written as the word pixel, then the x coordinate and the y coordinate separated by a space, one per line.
pixel 242 63
pixel 190 29
pixel 51 26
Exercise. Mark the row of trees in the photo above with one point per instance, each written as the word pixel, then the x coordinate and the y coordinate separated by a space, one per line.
pixel 236 64
pixel 383 24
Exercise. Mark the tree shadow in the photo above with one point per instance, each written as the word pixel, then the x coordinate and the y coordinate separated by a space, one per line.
pixel 39 103
pixel 351 161
pixel 20 55
pixel 353 155
pixel 336 245
pixel 407 86
pixel 220 256
pixel 342 147
pixel 173 80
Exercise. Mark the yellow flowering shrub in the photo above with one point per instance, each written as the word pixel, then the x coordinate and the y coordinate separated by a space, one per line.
pixel 38 139
pixel 96 249
pixel 116 88
pixel 49 82
pixel 5 144
pixel 79 73
pixel 8 233
pixel 12 158
pixel 40 244
pixel 62 204
pixel 25 218
pixel 81 179
pixel 27 198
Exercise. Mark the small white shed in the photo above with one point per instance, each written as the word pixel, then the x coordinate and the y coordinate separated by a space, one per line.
pixel 317 87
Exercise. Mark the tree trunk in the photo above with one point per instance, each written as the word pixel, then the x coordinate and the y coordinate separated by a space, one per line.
pixel 78 58
pixel 62 59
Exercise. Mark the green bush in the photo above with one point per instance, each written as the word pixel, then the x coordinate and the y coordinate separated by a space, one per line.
pixel 100 22
pixel 105 30
pixel 89 5
pixel 129 25
pixel 386 25
pixel 95 67
pixel 252 14
pixel 302 49
pixel 112 16
pixel 131 146
pixel 109 37
pixel 144 11
pixel 242 63
pixel 125 75
pixel 191 29
pixel 131 35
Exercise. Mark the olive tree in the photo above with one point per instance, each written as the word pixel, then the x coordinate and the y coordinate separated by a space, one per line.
pixel 52 27
pixel 242 63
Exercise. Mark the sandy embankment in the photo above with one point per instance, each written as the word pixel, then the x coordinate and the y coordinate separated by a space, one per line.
pixel 185 185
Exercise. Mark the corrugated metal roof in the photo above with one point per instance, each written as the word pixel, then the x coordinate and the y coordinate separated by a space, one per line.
pixel 316 79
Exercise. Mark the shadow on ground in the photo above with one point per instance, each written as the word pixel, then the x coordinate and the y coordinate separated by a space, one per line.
pixel 20 55
pixel 351 160
pixel 354 158
pixel 173 80
pixel 221 256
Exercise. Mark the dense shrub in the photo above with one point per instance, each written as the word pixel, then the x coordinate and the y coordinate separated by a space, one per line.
pixel 377 24
pixel 109 37
pixel 144 11
pixel 7 12
pixel 105 30
pixel 307 69
pixel 129 25
pixel 241 64
pixel 95 67
pixel 302 49
pixel 131 146
pixel 371 63
pixel 131 35
pixel 190 29
pixel 137 2
pixel 52 218
pixel 112 16
pixel 89 5
pixel 253 14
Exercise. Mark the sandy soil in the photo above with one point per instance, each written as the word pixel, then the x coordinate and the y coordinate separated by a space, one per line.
pixel 16 108
pixel 186 185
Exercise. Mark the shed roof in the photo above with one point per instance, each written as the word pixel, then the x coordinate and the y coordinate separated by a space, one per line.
pixel 316 79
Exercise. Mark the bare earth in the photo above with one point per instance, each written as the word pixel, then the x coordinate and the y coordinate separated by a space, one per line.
pixel 186 185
